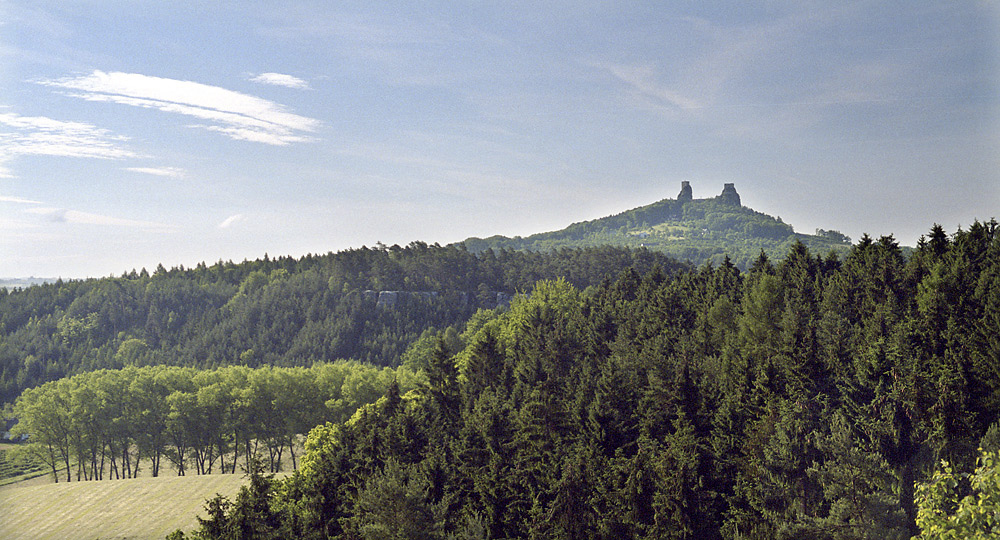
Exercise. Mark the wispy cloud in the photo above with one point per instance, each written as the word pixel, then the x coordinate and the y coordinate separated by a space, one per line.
pixel 63 215
pixel 280 79
pixel 170 172
pixel 642 80
pixel 230 221
pixel 237 115
pixel 39 135
pixel 17 200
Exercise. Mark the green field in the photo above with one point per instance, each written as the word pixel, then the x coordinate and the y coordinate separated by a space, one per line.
pixel 139 508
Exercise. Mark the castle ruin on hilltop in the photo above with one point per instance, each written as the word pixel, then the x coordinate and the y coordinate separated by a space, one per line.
pixel 728 196
pixel 685 194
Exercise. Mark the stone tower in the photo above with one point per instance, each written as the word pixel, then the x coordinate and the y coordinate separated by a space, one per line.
pixel 685 194
pixel 729 195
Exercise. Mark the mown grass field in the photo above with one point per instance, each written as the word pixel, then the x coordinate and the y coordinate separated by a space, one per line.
pixel 32 507
pixel 12 471
pixel 138 508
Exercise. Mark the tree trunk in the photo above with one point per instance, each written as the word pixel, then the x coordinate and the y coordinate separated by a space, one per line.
pixel 69 471
pixel 209 458
pixel 275 450
pixel 138 459
pixel 199 460
pixel 155 461
pixel 126 462
pixel 180 460
pixel 906 489
pixel 53 461
pixel 249 454
pixel 236 450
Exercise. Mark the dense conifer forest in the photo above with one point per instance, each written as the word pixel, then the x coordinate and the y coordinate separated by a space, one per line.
pixel 811 397
pixel 805 399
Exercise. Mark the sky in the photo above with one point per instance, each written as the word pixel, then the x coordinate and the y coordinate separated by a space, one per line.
pixel 138 133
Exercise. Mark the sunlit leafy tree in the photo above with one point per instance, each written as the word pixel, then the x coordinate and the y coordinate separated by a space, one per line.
pixel 961 505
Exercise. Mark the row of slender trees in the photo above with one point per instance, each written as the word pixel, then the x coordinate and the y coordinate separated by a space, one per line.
pixel 114 423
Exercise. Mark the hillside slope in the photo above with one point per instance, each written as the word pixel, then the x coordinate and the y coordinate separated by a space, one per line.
pixel 140 508
pixel 695 230
pixel 363 304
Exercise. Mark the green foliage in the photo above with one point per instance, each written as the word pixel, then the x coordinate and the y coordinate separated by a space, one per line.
pixel 97 425
pixel 393 505
pixel 943 512
pixel 131 352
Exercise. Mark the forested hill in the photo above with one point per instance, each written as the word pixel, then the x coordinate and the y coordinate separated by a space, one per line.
pixel 364 304
pixel 694 230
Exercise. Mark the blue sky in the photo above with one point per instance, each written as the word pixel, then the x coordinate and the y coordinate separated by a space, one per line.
pixel 134 133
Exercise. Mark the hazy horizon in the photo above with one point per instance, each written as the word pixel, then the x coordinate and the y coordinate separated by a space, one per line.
pixel 140 133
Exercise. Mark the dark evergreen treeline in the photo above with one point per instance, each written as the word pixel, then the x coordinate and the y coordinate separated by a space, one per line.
pixel 279 312
pixel 112 424
pixel 804 399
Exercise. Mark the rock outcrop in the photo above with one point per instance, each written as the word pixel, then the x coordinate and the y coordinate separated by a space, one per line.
pixel 392 299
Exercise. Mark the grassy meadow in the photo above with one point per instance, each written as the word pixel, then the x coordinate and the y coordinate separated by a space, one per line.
pixel 12 470
pixel 138 508
pixel 32 507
